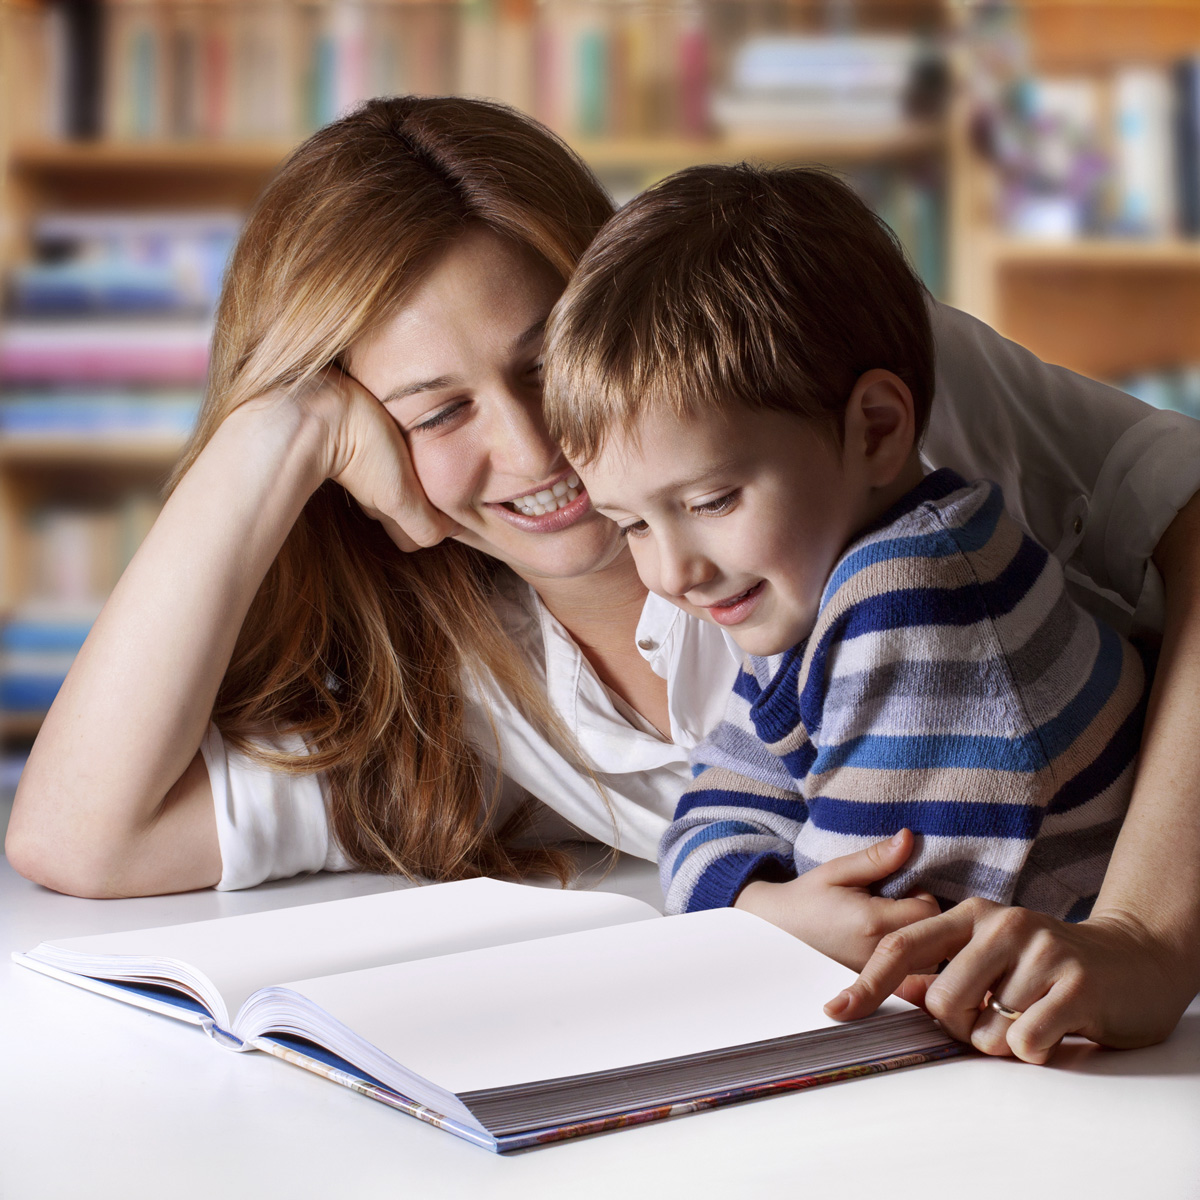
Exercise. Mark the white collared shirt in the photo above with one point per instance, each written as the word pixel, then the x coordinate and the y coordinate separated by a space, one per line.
pixel 1095 475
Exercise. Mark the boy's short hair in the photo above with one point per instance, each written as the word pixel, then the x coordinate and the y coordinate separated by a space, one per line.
pixel 775 288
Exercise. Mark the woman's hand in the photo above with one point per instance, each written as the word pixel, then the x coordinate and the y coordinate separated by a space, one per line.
pixel 831 907
pixel 1105 979
pixel 366 453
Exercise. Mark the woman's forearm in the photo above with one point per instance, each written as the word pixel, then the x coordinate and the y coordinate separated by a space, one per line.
pixel 1153 879
pixel 118 748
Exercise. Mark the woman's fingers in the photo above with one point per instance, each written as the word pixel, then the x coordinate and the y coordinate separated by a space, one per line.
pixel 368 456
pixel 900 954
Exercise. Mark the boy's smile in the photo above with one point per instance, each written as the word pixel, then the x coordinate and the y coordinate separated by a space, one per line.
pixel 738 518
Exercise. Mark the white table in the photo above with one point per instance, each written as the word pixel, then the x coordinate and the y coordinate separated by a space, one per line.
pixel 101 1100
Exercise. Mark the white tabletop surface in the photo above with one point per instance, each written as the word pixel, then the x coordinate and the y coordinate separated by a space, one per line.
pixel 98 1099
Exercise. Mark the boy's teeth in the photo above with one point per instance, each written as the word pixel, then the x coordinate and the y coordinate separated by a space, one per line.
pixel 548 499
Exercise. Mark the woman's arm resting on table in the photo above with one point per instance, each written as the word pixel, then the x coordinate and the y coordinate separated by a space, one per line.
pixel 1124 976
pixel 115 800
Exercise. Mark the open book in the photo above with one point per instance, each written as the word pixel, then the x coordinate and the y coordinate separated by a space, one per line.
pixel 506 1014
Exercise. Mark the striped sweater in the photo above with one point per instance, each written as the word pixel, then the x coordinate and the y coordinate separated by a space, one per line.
pixel 951 686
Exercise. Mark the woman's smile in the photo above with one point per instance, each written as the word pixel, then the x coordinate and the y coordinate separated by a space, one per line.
pixel 459 370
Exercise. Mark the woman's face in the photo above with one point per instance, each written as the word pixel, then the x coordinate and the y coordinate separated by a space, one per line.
pixel 459 370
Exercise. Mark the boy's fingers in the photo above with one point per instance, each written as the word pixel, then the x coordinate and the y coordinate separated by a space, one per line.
pixel 897 914
pixel 868 866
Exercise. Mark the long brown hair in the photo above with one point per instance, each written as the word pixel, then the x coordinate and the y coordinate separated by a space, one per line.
pixel 350 642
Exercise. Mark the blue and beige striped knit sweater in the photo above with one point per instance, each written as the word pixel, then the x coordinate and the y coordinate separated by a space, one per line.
pixel 950 686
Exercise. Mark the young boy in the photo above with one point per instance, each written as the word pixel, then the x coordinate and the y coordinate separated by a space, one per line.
pixel 742 369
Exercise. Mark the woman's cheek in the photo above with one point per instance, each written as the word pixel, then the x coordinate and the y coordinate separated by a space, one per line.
pixel 445 472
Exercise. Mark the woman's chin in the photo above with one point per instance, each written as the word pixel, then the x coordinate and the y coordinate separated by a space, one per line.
pixel 585 546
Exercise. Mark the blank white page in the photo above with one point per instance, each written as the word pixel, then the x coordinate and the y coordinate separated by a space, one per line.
pixel 590 1001
pixel 241 954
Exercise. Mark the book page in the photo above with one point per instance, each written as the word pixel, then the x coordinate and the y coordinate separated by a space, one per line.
pixel 241 954
pixel 591 1001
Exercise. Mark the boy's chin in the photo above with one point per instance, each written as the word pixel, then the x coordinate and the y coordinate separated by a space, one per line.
pixel 765 642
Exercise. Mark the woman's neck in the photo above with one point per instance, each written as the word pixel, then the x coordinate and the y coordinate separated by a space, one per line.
pixel 600 611
pixel 600 608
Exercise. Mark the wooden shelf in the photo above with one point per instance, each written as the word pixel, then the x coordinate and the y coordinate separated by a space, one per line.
pixel 107 451
pixel 52 156
pixel 869 142
pixel 798 145
pixel 1102 253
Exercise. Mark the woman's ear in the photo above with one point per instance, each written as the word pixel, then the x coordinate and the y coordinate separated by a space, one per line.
pixel 880 427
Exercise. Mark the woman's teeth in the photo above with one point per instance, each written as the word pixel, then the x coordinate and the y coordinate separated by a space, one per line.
pixel 549 499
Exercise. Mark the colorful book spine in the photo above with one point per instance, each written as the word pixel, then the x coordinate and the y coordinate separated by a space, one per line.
pixel 93 351
pixel 1143 162
pixel 1186 81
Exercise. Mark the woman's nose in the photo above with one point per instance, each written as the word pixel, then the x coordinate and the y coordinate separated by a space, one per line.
pixel 520 444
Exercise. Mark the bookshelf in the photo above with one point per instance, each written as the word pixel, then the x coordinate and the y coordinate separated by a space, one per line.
pixel 647 125
pixel 1099 301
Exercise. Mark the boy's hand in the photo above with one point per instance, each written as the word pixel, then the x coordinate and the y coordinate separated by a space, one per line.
pixel 1103 978
pixel 831 907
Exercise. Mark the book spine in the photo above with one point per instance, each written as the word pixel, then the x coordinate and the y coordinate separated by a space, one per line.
pixel 82 37
pixel 340 1072
pixel 1186 81
pixel 693 76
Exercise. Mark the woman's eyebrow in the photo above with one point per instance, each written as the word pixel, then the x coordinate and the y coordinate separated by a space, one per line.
pixel 425 385
pixel 520 342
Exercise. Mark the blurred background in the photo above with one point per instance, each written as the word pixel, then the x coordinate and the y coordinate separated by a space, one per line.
pixel 1040 161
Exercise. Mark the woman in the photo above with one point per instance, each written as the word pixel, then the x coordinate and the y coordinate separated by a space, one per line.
pixel 274 688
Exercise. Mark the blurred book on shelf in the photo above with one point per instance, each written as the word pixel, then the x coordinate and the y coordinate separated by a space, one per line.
pixel 129 70
pixel 124 262
pixel 106 352
pixel 151 350
pixel 76 553
pixel 1110 152
pixel 97 414
pixel 787 84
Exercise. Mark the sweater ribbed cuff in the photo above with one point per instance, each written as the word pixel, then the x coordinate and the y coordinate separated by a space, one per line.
pixel 723 879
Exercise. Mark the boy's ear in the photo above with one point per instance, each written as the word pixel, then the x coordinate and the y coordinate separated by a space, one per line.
pixel 880 425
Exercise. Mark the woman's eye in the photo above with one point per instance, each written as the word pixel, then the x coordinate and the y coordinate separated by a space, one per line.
pixel 636 530
pixel 718 507
pixel 534 371
pixel 443 416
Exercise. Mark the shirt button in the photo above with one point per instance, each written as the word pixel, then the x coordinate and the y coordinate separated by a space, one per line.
pixel 647 644
pixel 1078 526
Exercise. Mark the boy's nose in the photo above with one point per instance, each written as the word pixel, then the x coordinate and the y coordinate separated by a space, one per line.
pixel 682 568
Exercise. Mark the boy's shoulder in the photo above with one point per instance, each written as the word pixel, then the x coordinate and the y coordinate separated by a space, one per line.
pixel 945 535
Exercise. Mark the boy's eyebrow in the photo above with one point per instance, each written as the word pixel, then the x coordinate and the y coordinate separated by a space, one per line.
pixel 520 342
pixel 675 485
pixel 720 467
pixel 534 332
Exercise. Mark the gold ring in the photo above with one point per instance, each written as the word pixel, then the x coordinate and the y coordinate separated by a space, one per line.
pixel 1009 1014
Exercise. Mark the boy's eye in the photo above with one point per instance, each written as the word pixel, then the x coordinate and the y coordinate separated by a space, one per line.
pixel 443 416
pixel 718 507
pixel 636 530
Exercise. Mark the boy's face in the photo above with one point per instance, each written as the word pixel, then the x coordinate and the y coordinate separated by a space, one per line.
pixel 738 518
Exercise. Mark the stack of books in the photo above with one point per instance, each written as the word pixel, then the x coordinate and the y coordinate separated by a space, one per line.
pixel 105 352
pixel 277 69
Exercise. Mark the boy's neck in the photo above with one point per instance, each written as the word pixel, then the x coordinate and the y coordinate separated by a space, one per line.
pixel 882 499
